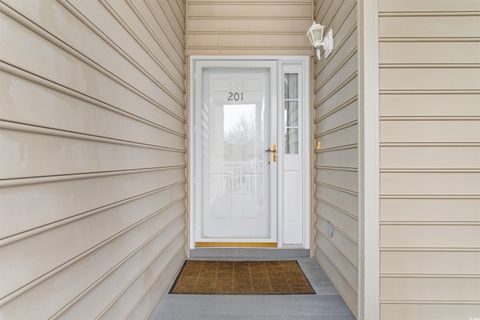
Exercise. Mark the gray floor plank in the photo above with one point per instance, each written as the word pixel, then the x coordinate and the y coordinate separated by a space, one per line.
pixel 325 305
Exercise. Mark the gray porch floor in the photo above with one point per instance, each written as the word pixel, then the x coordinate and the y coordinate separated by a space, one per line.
pixel 325 305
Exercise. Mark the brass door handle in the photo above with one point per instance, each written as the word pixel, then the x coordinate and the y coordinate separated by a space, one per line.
pixel 274 151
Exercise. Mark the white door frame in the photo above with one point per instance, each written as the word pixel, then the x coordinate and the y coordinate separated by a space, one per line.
pixel 193 210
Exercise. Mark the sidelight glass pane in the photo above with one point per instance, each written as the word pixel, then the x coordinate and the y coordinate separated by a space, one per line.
pixel 291 141
pixel 291 85
pixel 291 112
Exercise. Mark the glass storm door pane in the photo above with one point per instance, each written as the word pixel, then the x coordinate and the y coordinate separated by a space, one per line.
pixel 235 174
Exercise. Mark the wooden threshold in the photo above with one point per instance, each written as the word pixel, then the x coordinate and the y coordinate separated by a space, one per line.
pixel 235 244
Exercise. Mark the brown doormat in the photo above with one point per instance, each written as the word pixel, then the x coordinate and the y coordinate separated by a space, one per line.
pixel 242 278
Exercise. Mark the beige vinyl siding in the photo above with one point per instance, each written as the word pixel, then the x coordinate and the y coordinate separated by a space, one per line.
pixel 250 27
pixel 430 159
pixel 92 157
pixel 336 164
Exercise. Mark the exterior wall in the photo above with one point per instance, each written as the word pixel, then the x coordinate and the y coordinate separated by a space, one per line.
pixel 430 159
pixel 92 156
pixel 335 123
pixel 252 27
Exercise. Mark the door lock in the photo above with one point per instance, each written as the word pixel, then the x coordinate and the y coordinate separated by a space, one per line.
pixel 274 151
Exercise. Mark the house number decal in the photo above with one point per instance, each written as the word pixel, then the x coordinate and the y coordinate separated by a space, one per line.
pixel 235 96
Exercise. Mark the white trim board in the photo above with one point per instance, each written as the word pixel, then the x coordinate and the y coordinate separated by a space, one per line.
pixel 369 178
pixel 280 60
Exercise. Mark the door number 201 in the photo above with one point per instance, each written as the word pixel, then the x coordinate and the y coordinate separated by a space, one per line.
pixel 235 96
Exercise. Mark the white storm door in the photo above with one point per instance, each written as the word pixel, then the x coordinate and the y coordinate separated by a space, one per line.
pixel 235 123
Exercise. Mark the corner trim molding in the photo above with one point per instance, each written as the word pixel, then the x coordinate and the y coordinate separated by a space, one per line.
pixel 369 164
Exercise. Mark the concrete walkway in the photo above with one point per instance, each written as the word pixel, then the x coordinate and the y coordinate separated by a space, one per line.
pixel 325 305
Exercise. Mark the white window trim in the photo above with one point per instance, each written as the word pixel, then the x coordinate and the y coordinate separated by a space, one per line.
pixel 369 162
pixel 305 60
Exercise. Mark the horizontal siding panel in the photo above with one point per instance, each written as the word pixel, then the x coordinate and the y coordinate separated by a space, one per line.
pixel 430 236
pixel 105 23
pixel 87 234
pixel 429 105
pixel 55 199
pixel 260 51
pixel 130 250
pixel 54 64
pixel 430 183
pixel 429 311
pixel 428 5
pixel 134 23
pixel 247 1
pixel 49 108
pixel 61 155
pixel 449 53
pixel 62 24
pixel 167 19
pixel 223 10
pixel 343 116
pixel 348 271
pixel 340 219
pixel 430 289
pixel 435 131
pixel 430 263
pixel 433 27
pixel 429 81
pixel 433 209
pixel 338 158
pixel 336 161
pixel 226 41
pixel 254 26
pixel 342 200
pixel 430 78
pixel 155 25
pixel 342 28
pixel 349 48
pixel 122 277
pixel 328 82
pixel 343 179
pixel 345 245
pixel 341 95
pixel 95 156
pixel 248 28
pixel 150 299
pixel 432 157
pixel 133 297
pixel 342 137
pixel 347 293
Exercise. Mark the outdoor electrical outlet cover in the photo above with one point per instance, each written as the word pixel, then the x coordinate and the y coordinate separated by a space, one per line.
pixel 329 230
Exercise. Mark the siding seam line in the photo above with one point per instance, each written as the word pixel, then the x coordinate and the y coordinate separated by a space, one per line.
pixel 19 236
pixel 33 283
pixel 11 182
pixel 57 42
pixel 42 130
pixel 44 82
pixel 116 266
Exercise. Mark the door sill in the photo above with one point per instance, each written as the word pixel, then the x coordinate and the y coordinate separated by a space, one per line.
pixel 247 254
pixel 236 245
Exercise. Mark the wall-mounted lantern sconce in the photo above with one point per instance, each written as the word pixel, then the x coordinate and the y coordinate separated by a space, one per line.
pixel 315 35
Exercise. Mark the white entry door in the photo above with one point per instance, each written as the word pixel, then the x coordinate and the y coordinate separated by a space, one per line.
pixel 236 164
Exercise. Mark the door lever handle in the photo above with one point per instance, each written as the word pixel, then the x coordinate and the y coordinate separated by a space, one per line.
pixel 274 151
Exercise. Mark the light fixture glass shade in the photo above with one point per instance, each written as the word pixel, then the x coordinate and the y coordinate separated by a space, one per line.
pixel 315 34
pixel 317 40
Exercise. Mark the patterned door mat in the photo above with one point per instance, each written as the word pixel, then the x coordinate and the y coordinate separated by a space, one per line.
pixel 241 278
